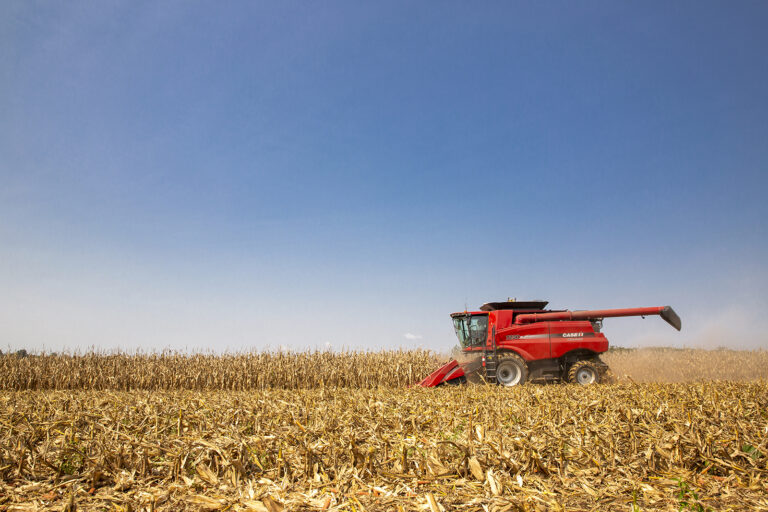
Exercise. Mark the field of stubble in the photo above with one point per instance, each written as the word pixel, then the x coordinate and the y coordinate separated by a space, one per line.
pixel 343 432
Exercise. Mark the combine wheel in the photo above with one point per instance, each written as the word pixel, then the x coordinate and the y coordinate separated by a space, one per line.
pixel 584 372
pixel 512 370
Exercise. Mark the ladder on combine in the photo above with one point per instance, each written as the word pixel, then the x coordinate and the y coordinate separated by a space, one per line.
pixel 491 359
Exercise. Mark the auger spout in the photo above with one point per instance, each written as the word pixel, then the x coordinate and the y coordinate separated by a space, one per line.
pixel 666 312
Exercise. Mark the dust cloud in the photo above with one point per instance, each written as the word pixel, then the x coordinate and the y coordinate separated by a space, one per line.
pixel 664 364
pixel 687 364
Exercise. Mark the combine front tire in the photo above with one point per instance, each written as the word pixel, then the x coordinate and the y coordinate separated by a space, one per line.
pixel 584 372
pixel 511 371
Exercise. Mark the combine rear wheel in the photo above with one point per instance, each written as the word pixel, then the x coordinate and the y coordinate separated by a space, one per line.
pixel 511 371
pixel 584 372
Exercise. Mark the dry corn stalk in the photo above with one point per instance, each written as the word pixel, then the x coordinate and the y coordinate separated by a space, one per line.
pixel 657 446
pixel 310 370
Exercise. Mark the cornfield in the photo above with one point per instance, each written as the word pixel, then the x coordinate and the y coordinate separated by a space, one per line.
pixel 346 433
pixel 249 371
pixel 310 370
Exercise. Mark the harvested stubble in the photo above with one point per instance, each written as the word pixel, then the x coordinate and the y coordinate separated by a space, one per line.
pixel 657 446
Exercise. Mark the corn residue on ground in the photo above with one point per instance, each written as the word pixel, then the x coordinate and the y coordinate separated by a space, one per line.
pixel 692 446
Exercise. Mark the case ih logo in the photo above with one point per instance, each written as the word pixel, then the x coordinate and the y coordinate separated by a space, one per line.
pixel 572 334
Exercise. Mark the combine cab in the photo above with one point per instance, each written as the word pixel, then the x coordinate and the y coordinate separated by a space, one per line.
pixel 514 342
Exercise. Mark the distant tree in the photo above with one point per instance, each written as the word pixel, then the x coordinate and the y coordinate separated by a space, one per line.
pixel 21 353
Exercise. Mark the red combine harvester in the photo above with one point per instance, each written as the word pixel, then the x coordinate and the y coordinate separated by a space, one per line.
pixel 519 341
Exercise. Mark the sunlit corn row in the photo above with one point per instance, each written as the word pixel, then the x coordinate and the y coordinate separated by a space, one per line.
pixel 257 370
pixel 304 370
pixel 649 446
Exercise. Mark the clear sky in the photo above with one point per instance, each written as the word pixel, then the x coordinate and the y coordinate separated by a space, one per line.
pixel 248 175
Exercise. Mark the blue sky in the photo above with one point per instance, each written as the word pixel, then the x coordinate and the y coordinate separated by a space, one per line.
pixel 211 176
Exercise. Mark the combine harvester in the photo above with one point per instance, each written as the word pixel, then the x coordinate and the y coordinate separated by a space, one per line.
pixel 514 342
